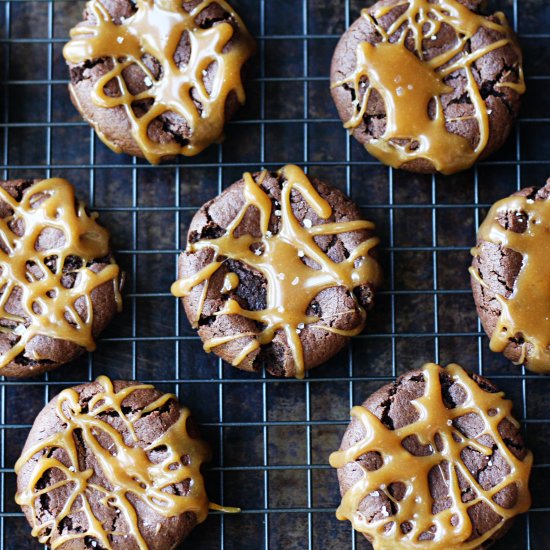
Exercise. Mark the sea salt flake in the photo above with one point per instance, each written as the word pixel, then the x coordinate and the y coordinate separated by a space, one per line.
pixel 301 253
pixel 278 213
pixel 281 276
pixel 204 72
pixel 410 87
pixel 20 329
pixel 295 281
pixel 298 331
pixel 301 326
pixel 72 469
pixel 120 39
pixel 308 223
pixel 375 494
pixel 385 512
pixel 490 112
pixel 449 422
pixel 268 234
pixel 400 91
pixel 434 37
pixel 258 251
pixel 148 81
pixel 94 543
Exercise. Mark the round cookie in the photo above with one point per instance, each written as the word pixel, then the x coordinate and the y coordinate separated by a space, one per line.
pixel 60 283
pixel 278 272
pixel 158 79
pixel 112 465
pixel 510 277
pixel 393 464
pixel 436 100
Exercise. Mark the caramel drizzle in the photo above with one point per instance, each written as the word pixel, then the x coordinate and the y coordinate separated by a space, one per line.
pixel 128 470
pixel 401 466
pixel 291 285
pixel 49 307
pixel 525 315
pixel 408 82
pixel 156 29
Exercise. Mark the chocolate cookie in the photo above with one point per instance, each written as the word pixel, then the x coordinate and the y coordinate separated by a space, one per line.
pixel 433 456
pixel 278 272
pixel 428 86
pixel 510 277
pixel 158 79
pixel 60 286
pixel 112 465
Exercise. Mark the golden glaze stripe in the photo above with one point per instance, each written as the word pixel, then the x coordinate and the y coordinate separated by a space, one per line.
pixel 50 308
pixel 525 315
pixel 408 82
pixel 128 470
pixel 156 29
pixel 291 284
pixel 401 466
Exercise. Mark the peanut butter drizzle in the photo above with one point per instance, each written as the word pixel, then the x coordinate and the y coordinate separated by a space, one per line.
pixel 401 466
pixel 408 82
pixel 49 307
pixel 291 284
pixel 525 314
pixel 156 29
pixel 128 471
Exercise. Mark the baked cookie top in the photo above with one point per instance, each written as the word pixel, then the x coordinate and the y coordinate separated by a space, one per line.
pixel 433 460
pixel 428 86
pixel 112 465
pixel 60 284
pixel 511 277
pixel 167 72
pixel 278 272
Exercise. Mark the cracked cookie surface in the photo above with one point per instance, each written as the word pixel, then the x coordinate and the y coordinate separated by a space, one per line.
pixel 60 286
pixel 278 273
pixel 433 460
pixel 511 254
pixel 113 466
pixel 158 79
pixel 428 86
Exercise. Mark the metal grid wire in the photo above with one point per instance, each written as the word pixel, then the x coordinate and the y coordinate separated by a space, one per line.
pixel 271 438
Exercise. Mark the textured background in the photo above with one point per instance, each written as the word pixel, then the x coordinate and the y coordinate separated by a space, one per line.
pixel 271 438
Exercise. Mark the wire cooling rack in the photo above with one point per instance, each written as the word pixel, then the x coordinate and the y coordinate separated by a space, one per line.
pixel 271 438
